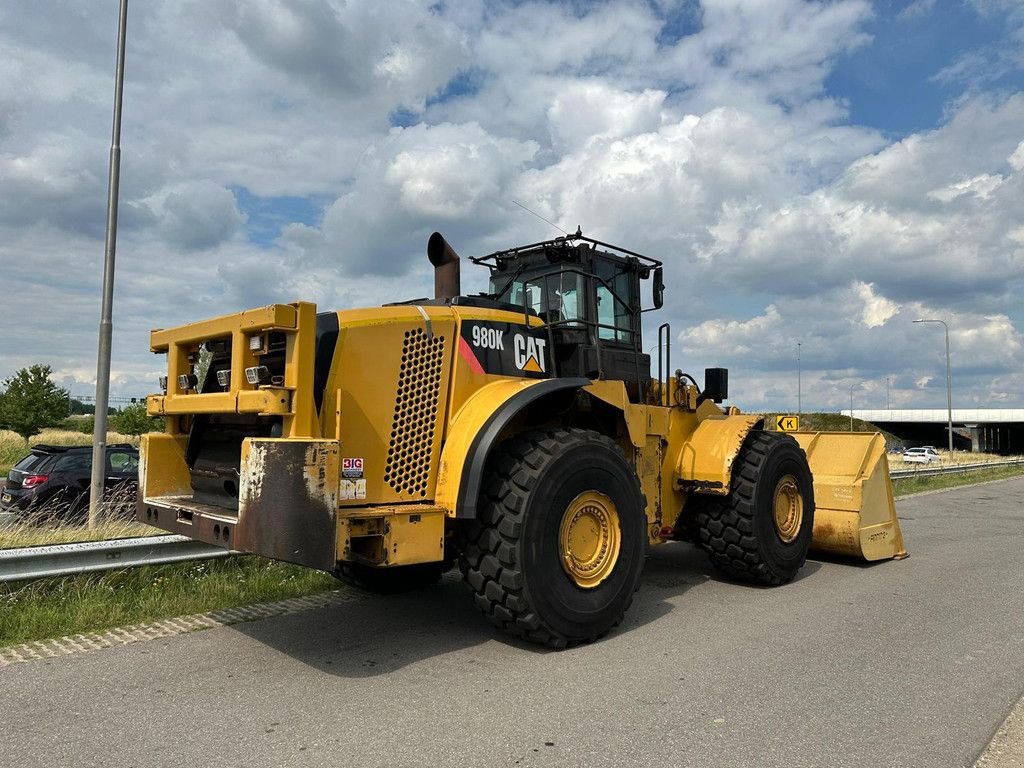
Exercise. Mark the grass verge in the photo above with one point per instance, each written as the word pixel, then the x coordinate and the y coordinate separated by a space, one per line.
pixel 908 485
pixel 89 603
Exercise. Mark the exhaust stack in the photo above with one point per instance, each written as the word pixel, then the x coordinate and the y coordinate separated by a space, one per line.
pixel 447 282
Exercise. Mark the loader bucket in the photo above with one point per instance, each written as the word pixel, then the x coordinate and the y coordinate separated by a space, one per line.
pixel 855 515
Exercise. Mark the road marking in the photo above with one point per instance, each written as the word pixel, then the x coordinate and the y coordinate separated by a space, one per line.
pixel 140 633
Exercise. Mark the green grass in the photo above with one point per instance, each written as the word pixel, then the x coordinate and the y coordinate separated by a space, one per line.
pixel 906 486
pixel 72 605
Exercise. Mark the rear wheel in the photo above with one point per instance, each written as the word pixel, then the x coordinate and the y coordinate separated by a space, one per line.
pixel 556 552
pixel 761 531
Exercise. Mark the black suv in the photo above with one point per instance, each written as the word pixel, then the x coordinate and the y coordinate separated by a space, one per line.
pixel 55 479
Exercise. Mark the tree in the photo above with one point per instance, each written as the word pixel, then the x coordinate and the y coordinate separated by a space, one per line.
pixel 133 420
pixel 78 408
pixel 30 401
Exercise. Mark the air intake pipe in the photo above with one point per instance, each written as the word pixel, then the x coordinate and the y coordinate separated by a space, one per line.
pixel 447 282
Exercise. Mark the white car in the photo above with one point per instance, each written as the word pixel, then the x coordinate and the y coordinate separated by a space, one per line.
pixel 924 455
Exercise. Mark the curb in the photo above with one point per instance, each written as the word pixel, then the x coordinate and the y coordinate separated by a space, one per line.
pixel 139 633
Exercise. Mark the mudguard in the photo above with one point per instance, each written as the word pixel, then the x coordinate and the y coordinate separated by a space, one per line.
pixel 706 456
pixel 476 429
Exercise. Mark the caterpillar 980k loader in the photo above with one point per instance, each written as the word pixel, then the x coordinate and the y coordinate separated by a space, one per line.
pixel 518 432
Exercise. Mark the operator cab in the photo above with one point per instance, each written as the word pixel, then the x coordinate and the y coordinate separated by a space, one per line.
pixel 588 295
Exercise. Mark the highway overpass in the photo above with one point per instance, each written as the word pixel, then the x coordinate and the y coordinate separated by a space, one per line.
pixel 992 430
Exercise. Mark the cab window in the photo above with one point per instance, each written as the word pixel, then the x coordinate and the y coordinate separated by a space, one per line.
pixel 616 321
pixel 554 296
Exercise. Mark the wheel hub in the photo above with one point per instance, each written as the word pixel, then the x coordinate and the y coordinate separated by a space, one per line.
pixel 589 539
pixel 788 506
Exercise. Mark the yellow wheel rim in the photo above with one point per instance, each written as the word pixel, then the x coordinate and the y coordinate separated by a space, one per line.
pixel 789 508
pixel 589 539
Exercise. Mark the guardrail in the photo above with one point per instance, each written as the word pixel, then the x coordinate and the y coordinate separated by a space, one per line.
pixel 87 556
pixel 926 470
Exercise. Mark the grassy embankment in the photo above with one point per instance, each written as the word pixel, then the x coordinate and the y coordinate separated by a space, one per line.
pixel 62 606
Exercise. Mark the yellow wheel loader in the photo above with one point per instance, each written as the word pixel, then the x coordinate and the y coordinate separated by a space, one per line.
pixel 519 433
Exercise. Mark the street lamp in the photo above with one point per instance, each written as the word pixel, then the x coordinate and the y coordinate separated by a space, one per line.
pixel 949 383
pixel 99 435
pixel 799 405
pixel 852 387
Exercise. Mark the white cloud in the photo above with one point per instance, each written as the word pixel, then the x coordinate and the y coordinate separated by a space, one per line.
pixel 877 309
pixel 916 9
pixel 196 215
pixel 721 151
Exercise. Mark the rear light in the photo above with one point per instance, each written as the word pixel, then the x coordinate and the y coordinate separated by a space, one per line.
pixel 257 374
pixel 188 381
pixel 224 377
pixel 162 381
pixel 33 480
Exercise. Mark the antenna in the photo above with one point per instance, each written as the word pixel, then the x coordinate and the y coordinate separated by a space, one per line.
pixel 541 218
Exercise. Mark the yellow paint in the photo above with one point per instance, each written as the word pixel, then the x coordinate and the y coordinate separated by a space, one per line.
pixel 382 415
pixel 636 416
pixel 589 539
pixel 278 317
pixel 788 508
pixel 293 401
pixel 162 467
pixel 705 456
pixel 463 431
pixel 387 536
pixel 855 514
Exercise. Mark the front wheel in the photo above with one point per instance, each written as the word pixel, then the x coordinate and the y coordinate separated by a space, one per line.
pixel 761 531
pixel 556 553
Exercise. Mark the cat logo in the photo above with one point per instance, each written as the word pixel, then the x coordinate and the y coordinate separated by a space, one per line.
pixel 529 353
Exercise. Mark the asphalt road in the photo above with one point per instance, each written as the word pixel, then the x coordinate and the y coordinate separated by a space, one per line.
pixel 912 663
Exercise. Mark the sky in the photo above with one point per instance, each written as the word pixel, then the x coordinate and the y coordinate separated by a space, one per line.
pixel 815 175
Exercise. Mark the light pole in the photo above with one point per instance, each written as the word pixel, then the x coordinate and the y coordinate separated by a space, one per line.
pixel 852 387
pixel 949 384
pixel 99 436
pixel 799 404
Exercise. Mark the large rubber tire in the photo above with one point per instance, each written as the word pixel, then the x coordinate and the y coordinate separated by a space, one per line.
pixel 397 578
pixel 739 531
pixel 511 555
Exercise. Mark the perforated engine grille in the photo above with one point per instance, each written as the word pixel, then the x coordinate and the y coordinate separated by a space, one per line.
pixel 412 431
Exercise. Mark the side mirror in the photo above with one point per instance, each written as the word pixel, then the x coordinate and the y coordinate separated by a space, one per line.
pixel 716 384
pixel 658 287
